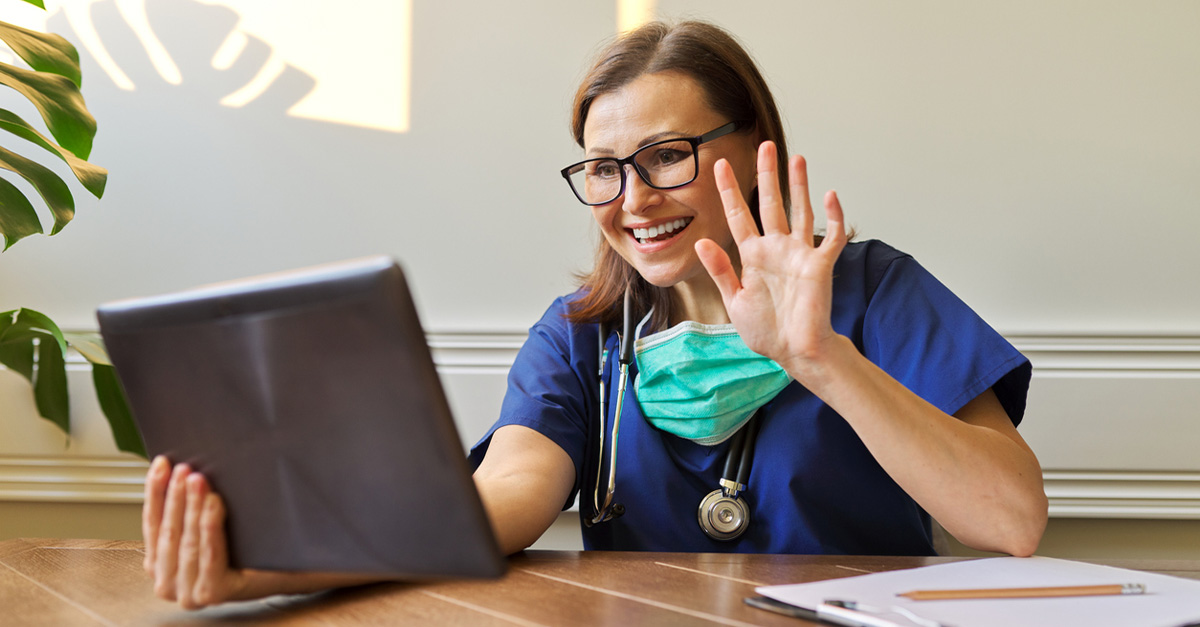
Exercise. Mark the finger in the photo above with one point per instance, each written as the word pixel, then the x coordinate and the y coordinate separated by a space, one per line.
pixel 835 227
pixel 214 555
pixel 770 201
pixel 152 508
pixel 716 261
pixel 741 223
pixel 168 535
pixel 802 212
pixel 189 542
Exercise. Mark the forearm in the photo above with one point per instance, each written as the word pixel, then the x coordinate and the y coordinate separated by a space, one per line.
pixel 523 481
pixel 983 486
pixel 516 523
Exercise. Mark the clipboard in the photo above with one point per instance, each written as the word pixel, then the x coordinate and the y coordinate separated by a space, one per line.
pixel 310 401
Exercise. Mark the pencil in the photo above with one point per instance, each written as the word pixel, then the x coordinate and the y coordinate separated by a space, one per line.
pixel 1023 593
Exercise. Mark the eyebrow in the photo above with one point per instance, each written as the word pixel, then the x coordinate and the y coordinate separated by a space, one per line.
pixel 645 141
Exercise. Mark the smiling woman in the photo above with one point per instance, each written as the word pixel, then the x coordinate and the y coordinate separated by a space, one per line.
pixel 833 365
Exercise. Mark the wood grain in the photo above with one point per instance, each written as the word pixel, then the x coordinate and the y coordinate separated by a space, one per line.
pixel 93 582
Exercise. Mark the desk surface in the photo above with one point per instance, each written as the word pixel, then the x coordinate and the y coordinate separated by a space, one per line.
pixel 97 582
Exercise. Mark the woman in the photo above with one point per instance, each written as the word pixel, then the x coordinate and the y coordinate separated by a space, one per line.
pixel 870 396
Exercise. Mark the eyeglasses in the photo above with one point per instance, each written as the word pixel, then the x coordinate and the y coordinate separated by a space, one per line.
pixel 665 164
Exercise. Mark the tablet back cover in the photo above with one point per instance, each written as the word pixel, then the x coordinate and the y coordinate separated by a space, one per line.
pixel 310 401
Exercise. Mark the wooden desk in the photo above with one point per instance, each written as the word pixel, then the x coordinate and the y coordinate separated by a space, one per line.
pixel 95 582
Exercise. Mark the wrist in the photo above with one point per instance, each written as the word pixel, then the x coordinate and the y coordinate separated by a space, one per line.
pixel 816 369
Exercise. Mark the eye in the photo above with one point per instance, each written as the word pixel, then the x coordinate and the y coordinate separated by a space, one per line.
pixel 604 169
pixel 668 156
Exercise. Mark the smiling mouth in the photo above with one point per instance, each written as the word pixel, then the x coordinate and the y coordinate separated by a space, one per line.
pixel 660 232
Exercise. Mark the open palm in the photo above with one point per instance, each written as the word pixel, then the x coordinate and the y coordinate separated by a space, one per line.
pixel 781 303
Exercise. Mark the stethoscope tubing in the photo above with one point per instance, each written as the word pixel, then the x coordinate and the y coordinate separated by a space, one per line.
pixel 738 461
pixel 609 510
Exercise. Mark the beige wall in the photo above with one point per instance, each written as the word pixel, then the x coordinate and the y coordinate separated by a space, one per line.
pixel 1039 157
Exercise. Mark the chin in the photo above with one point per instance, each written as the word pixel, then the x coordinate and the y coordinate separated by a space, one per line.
pixel 664 277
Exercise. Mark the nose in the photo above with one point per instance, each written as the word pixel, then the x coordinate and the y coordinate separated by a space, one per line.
pixel 639 197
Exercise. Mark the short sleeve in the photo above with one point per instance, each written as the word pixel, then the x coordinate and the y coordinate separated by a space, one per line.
pixel 549 389
pixel 918 331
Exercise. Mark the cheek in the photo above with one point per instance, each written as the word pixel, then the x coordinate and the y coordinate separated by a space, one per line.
pixel 605 216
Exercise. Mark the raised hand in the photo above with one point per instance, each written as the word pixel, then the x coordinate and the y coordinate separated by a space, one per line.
pixel 781 303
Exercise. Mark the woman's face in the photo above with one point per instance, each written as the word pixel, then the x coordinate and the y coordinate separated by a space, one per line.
pixel 651 108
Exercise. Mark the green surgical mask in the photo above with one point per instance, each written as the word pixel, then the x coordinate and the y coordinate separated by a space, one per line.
pixel 701 382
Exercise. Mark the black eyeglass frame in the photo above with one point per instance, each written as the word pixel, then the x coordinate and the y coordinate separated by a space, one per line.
pixel 631 160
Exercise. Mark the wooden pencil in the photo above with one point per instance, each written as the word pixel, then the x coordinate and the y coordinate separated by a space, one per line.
pixel 1023 593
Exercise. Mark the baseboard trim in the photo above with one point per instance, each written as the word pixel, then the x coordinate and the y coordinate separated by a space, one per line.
pixel 68 479
pixel 1145 495
pixel 1050 353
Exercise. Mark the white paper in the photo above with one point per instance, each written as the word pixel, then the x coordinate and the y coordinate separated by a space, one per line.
pixel 1168 601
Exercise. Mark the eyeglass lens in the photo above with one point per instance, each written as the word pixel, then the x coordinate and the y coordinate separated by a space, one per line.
pixel 662 165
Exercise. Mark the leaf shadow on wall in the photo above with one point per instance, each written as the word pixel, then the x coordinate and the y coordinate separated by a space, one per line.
pixel 190 176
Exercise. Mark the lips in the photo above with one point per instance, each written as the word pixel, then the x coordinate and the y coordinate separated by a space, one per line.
pixel 660 232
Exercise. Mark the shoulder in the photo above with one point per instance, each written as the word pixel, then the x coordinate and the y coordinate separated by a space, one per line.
pixel 862 265
pixel 870 255
pixel 556 330
pixel 556 315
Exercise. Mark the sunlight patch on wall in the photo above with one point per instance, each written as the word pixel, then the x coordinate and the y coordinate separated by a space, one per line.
pixel 360 59
pixel 633 13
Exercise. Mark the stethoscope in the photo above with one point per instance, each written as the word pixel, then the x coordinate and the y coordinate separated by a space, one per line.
pixel 723 513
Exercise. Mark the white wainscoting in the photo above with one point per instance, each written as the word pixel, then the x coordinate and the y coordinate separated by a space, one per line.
pixel 1115 421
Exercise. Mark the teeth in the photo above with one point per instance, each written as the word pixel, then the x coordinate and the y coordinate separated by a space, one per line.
pixel 648 233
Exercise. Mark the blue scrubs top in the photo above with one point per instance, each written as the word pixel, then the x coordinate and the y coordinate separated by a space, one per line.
pixel 814 487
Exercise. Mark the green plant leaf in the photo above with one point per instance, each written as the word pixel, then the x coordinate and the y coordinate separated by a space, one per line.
pixel 50 383
pixel 52 189
pixel 116 409
pixel 92 176
pixel 16 347
pixel 18 219
pixel 90 346
pixel 18 357
pixel 49 373
pixel 17 327
pixel 39 324
pixel 59 102
pixel 109 392
pixel 37 3
pixel 44 52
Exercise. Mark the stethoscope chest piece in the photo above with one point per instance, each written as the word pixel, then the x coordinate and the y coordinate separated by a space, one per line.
pixel 723 517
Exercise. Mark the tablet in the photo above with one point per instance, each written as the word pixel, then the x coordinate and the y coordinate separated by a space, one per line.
pixel 310 401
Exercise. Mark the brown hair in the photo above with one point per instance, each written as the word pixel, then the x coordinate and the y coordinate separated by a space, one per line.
pixel 732 86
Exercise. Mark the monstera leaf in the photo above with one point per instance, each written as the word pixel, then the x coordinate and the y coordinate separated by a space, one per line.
pixel 34 347
pixel 51 84
pixel 30 343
